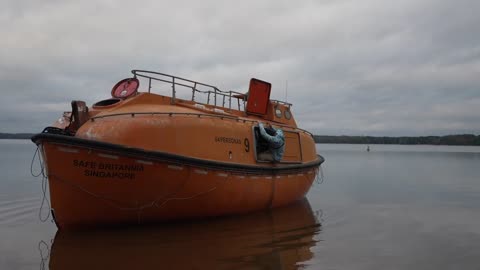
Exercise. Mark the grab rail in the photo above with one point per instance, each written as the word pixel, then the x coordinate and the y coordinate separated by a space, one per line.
pixel 170 114
pixel 178 81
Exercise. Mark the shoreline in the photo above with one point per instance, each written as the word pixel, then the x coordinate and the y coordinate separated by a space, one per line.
pixel 458 139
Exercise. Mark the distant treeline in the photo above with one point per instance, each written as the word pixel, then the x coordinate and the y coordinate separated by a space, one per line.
pixel 15 135
pixel 463 139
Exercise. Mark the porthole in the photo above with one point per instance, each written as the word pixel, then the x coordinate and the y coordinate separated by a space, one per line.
pixel 278 113
pixel 288 115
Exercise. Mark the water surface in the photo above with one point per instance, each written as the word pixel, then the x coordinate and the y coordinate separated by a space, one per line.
pixel 395 207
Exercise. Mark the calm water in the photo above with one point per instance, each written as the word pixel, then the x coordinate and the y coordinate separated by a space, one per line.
pixel 395 207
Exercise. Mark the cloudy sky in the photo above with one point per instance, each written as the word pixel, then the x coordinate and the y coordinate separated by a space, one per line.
pixel 370 67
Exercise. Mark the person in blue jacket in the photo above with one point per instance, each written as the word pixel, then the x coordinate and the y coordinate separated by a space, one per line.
pixel 276 143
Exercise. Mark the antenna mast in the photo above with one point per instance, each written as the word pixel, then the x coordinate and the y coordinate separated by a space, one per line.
pixel 286 90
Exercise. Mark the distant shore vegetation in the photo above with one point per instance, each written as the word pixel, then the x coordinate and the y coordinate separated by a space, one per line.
pixel 16 135
pixel 463 139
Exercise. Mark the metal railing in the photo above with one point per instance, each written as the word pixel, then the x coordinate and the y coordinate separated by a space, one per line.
pixel 211 91
pixel 281 102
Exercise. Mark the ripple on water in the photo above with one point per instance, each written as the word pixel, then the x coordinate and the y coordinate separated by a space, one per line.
pixel 18 211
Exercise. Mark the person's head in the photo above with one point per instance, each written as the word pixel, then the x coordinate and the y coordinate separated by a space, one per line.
pixel 271 131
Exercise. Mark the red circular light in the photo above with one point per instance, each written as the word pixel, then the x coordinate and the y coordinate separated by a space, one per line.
pixel 125 88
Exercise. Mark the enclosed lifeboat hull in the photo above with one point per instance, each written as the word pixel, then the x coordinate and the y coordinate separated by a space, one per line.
pixel 93 183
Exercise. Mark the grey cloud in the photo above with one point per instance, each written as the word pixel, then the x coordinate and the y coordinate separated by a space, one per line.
pixel 370 67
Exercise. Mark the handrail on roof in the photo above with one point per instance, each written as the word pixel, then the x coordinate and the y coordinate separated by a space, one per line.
pixel 281 102
pixel 178 81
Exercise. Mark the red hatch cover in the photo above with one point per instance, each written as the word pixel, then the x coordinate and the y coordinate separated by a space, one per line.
pixel 125 88
pixel 258 97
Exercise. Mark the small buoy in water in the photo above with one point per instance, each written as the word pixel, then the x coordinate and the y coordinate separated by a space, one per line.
pixel 368 148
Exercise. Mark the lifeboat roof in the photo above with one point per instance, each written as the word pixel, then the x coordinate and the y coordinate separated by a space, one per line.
pixel 254 103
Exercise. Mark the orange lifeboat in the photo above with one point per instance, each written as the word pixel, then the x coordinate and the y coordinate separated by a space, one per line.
pixel 142 157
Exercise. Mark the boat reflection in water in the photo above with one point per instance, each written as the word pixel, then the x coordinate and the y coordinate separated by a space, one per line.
pixel 280 238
